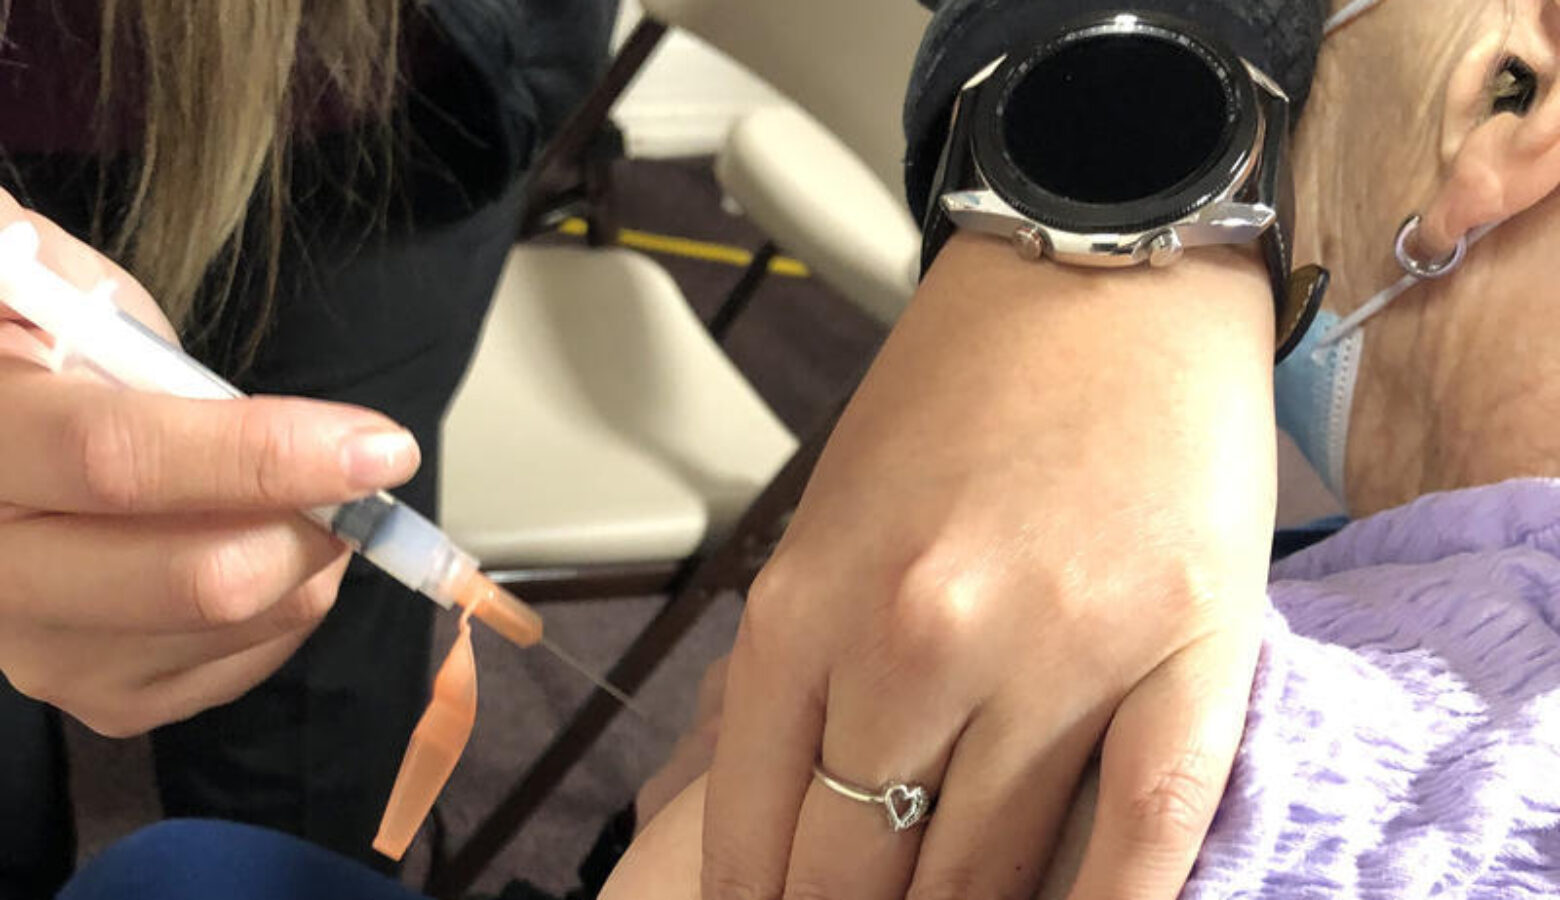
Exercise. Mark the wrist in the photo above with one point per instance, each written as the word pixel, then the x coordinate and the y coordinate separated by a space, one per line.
pixel 1211 311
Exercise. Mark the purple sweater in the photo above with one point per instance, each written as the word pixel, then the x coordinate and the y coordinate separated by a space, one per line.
pixel 1404 735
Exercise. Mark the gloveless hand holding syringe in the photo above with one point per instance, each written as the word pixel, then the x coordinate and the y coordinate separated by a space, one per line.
pixel 91 332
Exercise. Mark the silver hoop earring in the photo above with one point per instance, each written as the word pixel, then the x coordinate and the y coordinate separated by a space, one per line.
pixel 1419 268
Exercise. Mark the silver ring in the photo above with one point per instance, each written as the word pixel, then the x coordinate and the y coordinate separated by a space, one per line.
pixel 907 805
pixel 1419 268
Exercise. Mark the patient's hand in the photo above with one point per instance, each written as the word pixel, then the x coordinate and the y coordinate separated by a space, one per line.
pixel 1041 528
pixel 663 862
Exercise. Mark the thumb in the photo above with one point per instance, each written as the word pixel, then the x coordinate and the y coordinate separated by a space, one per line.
pixel 77 446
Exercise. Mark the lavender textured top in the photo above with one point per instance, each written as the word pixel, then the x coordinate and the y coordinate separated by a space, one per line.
pixel 1404 735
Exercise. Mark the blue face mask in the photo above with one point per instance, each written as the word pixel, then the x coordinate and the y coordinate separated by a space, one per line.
pixel 1314 392
pixel 1314 387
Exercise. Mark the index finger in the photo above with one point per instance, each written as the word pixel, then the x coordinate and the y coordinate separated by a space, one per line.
pixel 771 729
pixel 72 445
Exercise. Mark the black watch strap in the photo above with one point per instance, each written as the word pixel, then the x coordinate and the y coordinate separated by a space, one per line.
pixel 955 172
pixel 1297 293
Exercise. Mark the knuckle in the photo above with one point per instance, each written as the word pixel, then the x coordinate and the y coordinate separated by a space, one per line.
pixel 268 446
pixel 1187 588
pixel 30 682
pixel 774 586
pixel 1174 808
pixel 721 883
pixel 120 714
pixel 309 604
pixel 99 703
pixel 809 888
pixel 774 611
pixel 929 609
pixel 731 870
pixel 954 883
pixel 318 597
pixel 115 474
pixel 220 583
pixel 116 725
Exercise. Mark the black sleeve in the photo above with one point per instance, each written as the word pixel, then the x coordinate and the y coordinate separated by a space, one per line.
pixel 1281 37
pixel 539 58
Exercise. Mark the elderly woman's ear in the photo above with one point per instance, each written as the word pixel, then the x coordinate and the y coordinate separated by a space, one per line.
pixel 1500 127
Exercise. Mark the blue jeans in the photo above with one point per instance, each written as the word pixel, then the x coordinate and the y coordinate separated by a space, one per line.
pixel 198 859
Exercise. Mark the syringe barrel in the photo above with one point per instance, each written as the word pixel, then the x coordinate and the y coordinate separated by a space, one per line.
pixel 407 546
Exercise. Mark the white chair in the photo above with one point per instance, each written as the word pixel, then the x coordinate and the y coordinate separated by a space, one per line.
pixel 603 445
pixel 823 178
pixel 625 438
pixel 600 428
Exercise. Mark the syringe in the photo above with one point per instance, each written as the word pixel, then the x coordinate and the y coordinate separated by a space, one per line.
pixel 94 332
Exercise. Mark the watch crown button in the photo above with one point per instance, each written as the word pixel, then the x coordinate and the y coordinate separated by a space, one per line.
pixel 1029 242
pixel 1164 249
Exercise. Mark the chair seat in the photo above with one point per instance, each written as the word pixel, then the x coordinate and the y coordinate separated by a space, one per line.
pixel 821 203
pixel 599 422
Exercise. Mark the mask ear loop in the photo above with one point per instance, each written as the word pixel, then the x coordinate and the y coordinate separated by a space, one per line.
pixel 436 745
pixel 1346 15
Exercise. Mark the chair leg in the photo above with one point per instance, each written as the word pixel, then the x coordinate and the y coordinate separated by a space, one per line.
pixel 730 567
pixel 557 177
pixel 601 213
pixel 742 294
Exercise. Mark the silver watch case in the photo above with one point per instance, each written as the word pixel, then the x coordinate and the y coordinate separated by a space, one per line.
pixel 1224 219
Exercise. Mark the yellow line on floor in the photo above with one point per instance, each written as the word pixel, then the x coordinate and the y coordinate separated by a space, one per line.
pixel 671 245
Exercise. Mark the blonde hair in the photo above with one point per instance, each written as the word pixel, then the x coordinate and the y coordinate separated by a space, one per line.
pixel 217 85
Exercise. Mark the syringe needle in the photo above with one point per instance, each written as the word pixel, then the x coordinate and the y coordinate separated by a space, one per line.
pixel 515 620
pixel 617 693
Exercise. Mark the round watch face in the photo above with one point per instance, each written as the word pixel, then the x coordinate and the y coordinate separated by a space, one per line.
pixel 1120 125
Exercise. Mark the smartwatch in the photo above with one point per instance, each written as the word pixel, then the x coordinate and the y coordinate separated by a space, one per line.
pixel 1124 139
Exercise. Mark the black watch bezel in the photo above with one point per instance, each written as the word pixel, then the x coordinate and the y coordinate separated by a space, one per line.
pixel 1231 157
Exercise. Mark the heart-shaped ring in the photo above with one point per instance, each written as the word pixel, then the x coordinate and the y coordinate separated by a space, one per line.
pixel 907 805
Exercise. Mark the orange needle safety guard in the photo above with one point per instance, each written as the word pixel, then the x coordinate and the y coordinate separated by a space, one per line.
pixel 499 610
pixel 436 745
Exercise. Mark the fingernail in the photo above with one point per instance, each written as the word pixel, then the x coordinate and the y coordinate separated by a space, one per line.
pixel 377 459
